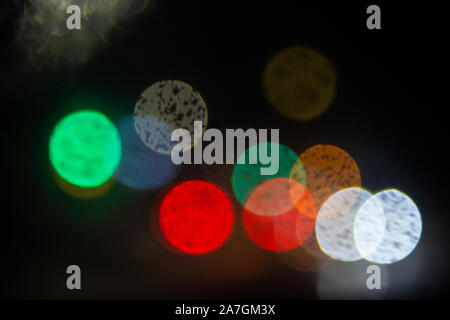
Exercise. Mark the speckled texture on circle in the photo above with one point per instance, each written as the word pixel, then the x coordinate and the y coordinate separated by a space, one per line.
pixel 328 170
pixel 164 107
pixel 334 226
pixel 402 227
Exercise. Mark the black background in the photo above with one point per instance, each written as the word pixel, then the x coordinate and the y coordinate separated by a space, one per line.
pixel 389 113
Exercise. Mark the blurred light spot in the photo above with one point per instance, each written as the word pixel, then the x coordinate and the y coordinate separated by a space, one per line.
pixel 334 226
pixel 271 198
pixel 299 82
pixel 328 170
pixel 369 227
pixel 46 41
pixel 164 107
pixel 387 227
pixel 80 192
pixel 275 196
pixel 247 177
pixel 196 217
pixel 140 167
pixel 85 148
pixel 281 230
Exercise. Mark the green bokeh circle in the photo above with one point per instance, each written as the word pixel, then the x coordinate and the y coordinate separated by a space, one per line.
pixel 85 148
pixel 247 177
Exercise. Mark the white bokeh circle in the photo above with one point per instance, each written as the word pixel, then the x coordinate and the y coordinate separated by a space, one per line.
pixel 164 107
pixel 387 227
pixel 335 220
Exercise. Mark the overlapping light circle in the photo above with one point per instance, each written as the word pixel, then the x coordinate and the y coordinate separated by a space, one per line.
pixel 280 212
pixel 276 224
pixel 140 167
pixel 164 107
pixel 381 228
pixel 335 221
pixel 82 192
pixel 328 169
pixel 387 227
pixel 247 177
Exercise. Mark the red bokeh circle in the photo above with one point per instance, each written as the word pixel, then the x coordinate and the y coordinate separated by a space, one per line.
pixel 196 217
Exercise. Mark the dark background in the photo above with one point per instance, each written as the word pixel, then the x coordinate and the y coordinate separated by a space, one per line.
pixel 389 113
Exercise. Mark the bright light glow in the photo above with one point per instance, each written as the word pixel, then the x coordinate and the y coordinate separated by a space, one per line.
pixel 164 107
pixel 275 196
pixel 140 167
pixel 247 177
pixel 369 227
pixel 196 217
pixel 334 226
pixel 46 41
pixel 281 226
pixel 85 148
pixel 387 227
